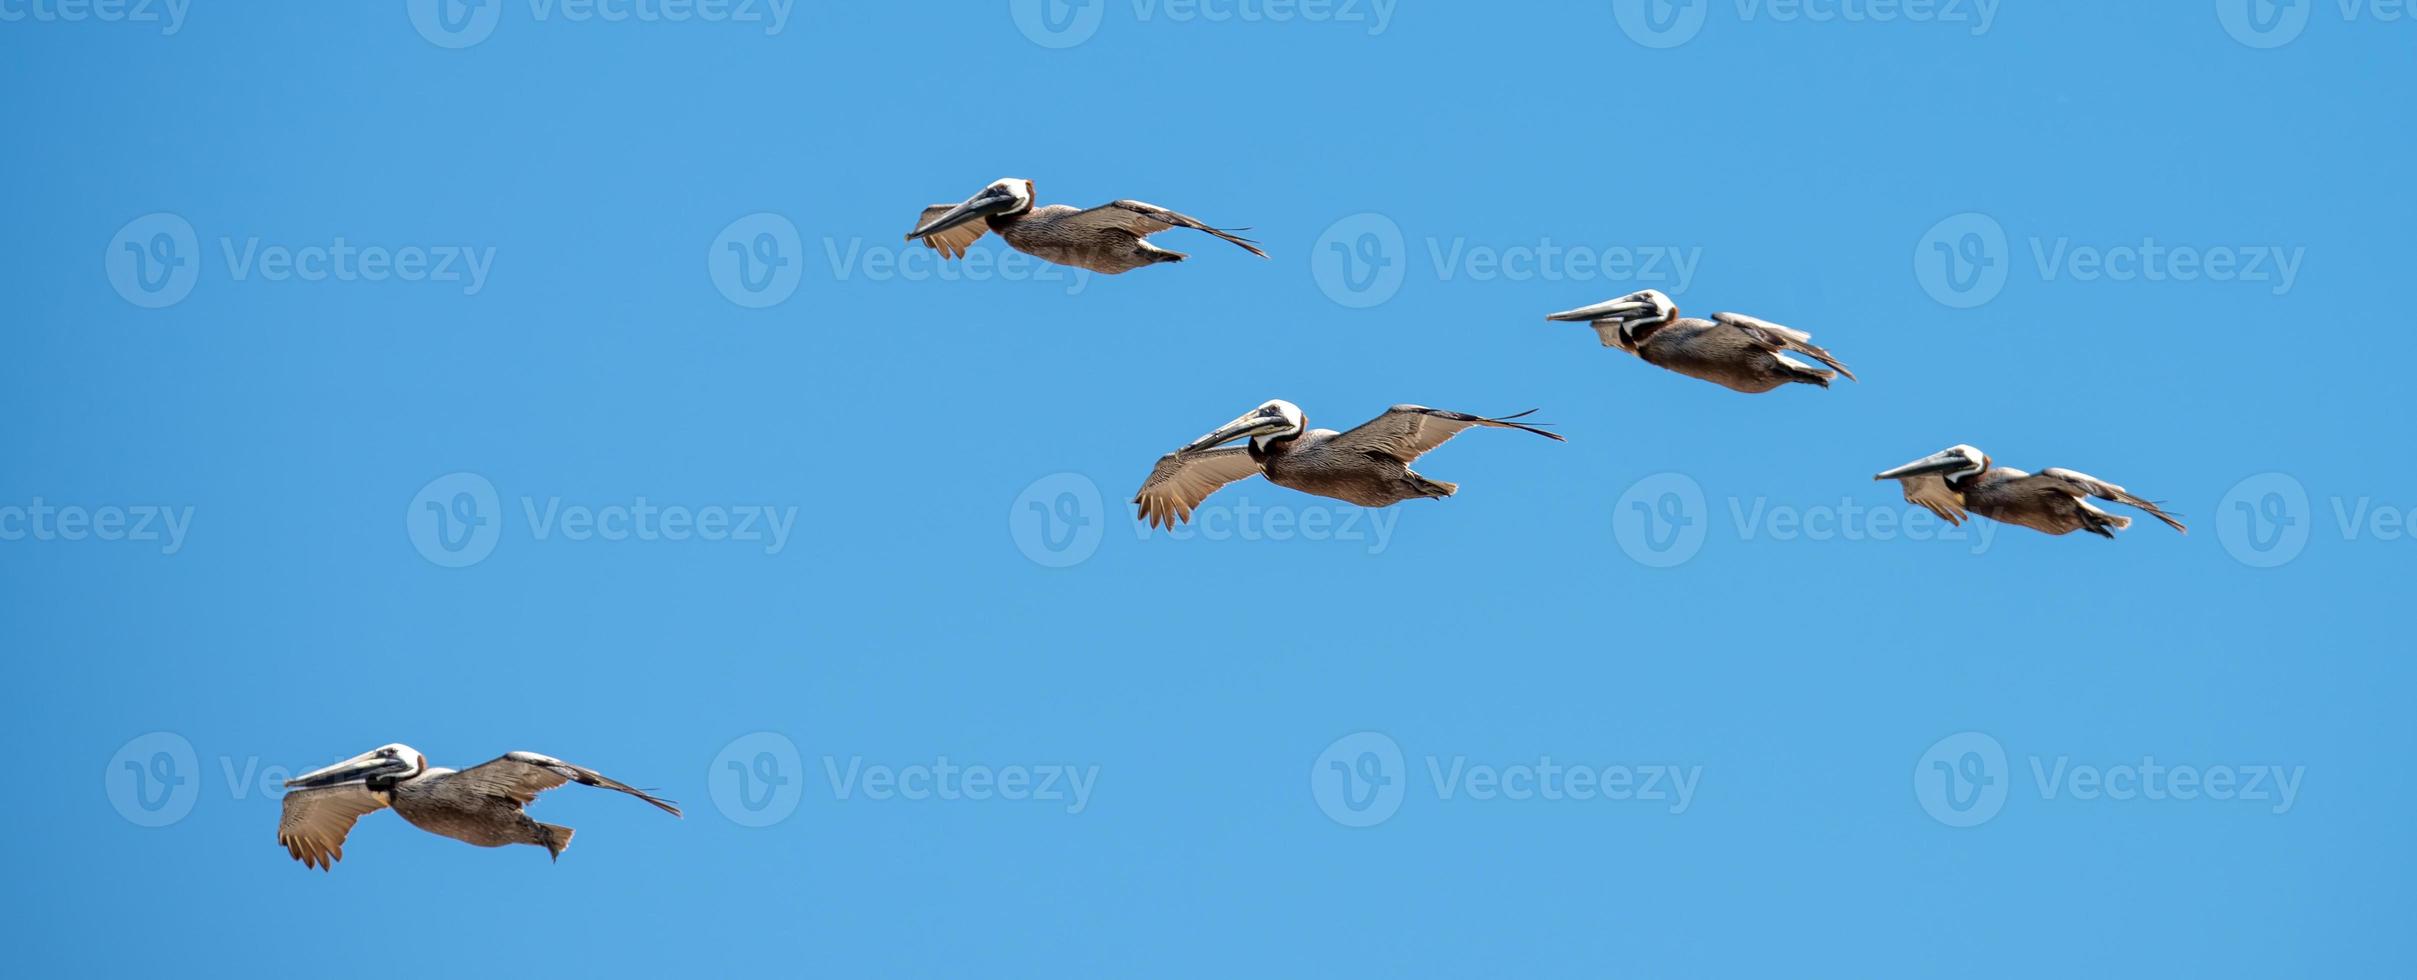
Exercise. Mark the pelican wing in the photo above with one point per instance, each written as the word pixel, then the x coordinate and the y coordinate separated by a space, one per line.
pixel 1149 219
pixel 1930 490
pixel 2083 484
pixel 316 822
pixel 953 242
pixel 520 776
pixel 1775 338
pixel 1181 480
pixel 1406 432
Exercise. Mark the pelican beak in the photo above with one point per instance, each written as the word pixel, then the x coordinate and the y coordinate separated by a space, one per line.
pixel 1254 424
pixel 1934 463
pixel 979 206
pixel 359 768
pixel 1645 306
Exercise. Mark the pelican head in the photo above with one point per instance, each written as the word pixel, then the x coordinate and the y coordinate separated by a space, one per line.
pixel 1277 419
pixel 1625 322
pixel 1006 195
pixel 1953 463
pixel 377 768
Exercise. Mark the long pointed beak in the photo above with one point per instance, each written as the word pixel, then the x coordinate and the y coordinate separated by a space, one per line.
pixel 1647 304
pixel 1241 428
pixel 1935 463
pixel 979 206
pixel 356 769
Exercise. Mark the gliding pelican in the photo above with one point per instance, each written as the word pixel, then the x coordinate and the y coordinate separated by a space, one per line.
pixel 480 805
pixel 1961 478
pixel 1368 466
pixel 1732 350
pixel 1107 239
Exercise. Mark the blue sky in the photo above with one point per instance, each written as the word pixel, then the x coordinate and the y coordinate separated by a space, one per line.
pixel 551 376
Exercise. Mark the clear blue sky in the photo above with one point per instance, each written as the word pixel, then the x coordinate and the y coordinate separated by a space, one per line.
pixel 536 287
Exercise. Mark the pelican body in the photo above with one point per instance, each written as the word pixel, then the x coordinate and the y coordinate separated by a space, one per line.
pixel 1732 350
pixel 2057 501
pixel 1108 239
pixel 481 805
pixel 1368 466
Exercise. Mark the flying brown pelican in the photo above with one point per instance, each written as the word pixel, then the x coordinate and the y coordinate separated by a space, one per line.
pixel 1732 350
pixel 1107 239
pixel 1961 478
pixel 480 805
pixel 1368 466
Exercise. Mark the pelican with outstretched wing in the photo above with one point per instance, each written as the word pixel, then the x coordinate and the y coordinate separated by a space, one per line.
pixel 1368 466
pixel 1962 479
pixel 482 805
pixel 1108 239
pixel 1732 350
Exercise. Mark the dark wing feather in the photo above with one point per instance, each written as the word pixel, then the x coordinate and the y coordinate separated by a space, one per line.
pixel 1148 219
pixel 1930 490
pixel 316 821
pixel 1181 480
pixel 520 776
pixel 1406 432
pixel 953 242
pixel 2085 484
pixel 1773 337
